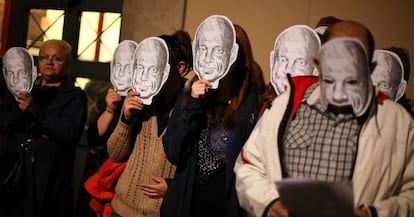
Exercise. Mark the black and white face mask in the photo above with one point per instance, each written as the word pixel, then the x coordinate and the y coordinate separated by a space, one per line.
pixel 151 68
pixel 388 75
pixel 122 66
pixel 293 54
pixel 214 49
pixel 345 75
pixel 18 70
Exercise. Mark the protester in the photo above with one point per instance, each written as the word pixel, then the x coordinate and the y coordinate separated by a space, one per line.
pixel 208 127
pixel 49 121
pixel 136 139
pixel 336 130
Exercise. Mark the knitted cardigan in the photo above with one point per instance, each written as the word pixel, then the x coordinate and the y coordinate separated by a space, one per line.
pixel 144 158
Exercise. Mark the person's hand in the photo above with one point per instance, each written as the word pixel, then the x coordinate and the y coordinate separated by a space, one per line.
pixel 361 212
pixel 112 99
pixel 132 105
pixel 24 99
pixel 277 210
pixel 157 190
pixel 200 88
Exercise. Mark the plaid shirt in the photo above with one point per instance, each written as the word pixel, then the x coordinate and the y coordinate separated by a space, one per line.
pixel 320 145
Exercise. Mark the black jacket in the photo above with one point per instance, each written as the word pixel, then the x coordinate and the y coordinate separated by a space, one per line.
pixel 180 145
pixel 55 121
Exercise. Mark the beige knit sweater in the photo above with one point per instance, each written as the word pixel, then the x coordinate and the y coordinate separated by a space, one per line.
pixel 145 159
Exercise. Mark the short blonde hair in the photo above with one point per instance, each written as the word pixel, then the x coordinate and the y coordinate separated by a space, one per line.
pixel 66 47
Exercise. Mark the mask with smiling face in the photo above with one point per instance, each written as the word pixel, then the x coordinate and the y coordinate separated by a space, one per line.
pixel 214 48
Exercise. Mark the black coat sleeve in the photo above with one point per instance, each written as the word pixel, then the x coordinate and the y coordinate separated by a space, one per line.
pixel 182 131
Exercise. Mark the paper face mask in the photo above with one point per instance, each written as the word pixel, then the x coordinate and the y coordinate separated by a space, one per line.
pixel 151 68
pixel 293 54
pixel 345 76
pixel 321 29
pixel 214 48
pixel 122 66
pixel 388 75
pixel 19 70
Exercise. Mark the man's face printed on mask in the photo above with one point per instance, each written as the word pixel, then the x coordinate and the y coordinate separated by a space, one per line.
pixel 293 53
pixel 18 70
pixel 151 68
pixel 214 48
pixel 122 66
pixel 345 76
pixel 388 75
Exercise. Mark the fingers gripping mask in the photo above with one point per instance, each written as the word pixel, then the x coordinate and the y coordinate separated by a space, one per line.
pixel 293 54
pixel 214 48
pixel 19 70
pixel 345 75
pixel 388 75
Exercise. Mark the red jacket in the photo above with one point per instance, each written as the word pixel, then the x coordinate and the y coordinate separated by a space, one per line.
pixel 101 186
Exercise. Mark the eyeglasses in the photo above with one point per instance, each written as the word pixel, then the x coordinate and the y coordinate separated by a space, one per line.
pixel 54 59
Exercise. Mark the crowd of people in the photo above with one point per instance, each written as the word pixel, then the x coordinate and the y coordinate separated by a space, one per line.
pixel 191 129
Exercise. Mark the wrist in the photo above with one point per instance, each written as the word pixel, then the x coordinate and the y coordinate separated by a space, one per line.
pixel 125 120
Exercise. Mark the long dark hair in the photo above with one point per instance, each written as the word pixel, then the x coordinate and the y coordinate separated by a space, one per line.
pixel 243 75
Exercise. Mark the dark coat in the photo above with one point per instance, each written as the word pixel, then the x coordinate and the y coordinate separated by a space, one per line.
pixel 180 145
pixel 55 122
